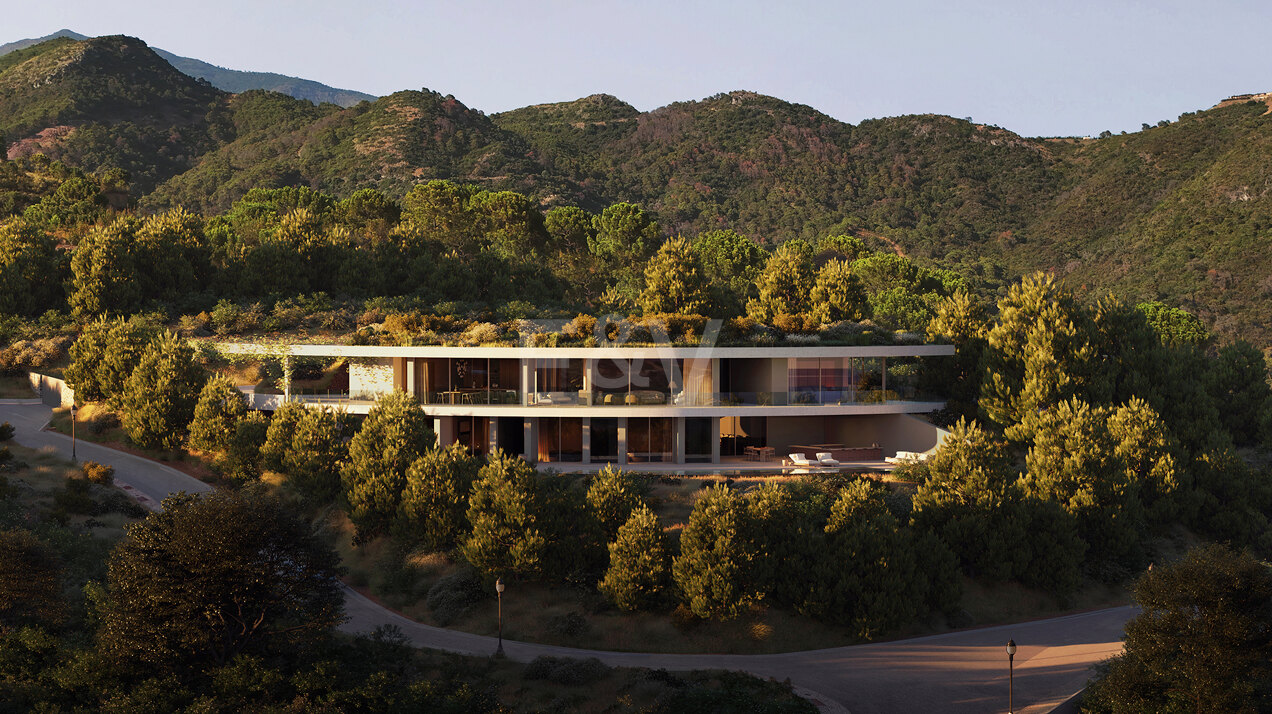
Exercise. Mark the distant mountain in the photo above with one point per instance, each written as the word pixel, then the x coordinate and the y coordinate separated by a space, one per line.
pixel 230 80
pixel 23 44
pixel 1181 212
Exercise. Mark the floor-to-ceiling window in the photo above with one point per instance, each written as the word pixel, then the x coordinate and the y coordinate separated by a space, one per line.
pixel 560 439
pixel 604 439
pixel 699 436
pixel 650 439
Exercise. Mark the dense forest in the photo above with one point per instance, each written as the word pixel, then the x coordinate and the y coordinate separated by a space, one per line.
pixel 1176 212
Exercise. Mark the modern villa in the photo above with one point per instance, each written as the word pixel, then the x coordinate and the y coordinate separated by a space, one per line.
pixel 575 407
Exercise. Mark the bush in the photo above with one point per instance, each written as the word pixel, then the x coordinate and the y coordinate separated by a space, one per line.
pixel 571 624
pixel 100 474
pixel 26 355
pixel 451 597
pixel 74 497
pixel 563 670
pixel 6 431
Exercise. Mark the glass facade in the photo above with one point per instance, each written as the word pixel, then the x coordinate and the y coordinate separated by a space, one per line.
pixel 560 439
pixel 604 439
pixel 650 439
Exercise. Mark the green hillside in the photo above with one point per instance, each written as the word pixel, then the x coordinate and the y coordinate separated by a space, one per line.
pixel 1177 212
pixel 229 80
pixel 104 102
pixel 390 144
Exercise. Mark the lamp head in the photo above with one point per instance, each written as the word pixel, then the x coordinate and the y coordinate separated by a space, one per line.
pixel 499 585
pixel 1011 648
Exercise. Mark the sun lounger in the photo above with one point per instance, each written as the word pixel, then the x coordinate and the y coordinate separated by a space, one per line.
pixel 825 458
pixel 800 460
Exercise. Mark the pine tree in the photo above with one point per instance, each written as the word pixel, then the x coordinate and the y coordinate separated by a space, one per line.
pixel 612 496
pixel 395 433
pixel 1042 352
pixel 434 506
pixel 159 397
pixel 867 577
pixel 838 294
pixel 278 439
pixel 315 455
pixel 674 282
pixel 714 568
pixel 783 286
pixel 638 571
pixel 1074 463
pixel 216 415
pixel 505 535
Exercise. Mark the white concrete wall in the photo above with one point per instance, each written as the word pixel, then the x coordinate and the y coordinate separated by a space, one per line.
pixel 53 391
pixel 892 432
pixel 371 376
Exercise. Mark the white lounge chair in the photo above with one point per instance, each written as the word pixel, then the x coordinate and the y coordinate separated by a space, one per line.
pixel 800 460
pixel 825 458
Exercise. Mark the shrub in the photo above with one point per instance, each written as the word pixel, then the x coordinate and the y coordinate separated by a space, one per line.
pixel 100 474
pixel 452 596
pixel 27 355
pixel 571 624
pixel 481 333
pixel 563 670
pixel 74 497
pixel 6 431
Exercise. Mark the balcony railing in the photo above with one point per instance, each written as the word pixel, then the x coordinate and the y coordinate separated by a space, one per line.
pixel 657 398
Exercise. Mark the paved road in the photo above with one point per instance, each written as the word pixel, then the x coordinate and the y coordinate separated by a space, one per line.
pixel 147 481
pixel 955 672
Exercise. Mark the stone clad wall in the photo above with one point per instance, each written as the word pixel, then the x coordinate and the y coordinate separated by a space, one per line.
pixel 370 376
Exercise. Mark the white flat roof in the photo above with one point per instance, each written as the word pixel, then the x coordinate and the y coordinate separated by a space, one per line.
pixel 667 352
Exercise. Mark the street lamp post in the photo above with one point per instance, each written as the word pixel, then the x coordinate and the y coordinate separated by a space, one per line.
pixel 1011 656
pixel 73 459
pixel 499 588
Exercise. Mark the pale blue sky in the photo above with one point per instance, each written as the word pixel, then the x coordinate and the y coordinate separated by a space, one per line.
pixel 1036 68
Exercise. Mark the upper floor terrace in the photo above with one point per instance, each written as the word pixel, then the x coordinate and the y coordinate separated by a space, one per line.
pixel 617 381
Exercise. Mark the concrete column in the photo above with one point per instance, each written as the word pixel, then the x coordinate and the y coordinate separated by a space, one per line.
pixel 779 380
pixel 410 375
pixel 587 386
pixel 622 440
pixel 531 439
pixel 526 385
pixel 883 368
pixel 587 439
pixel 678 440
pixel 444 427
pixel 715 440
pixel 716 366
pixel 287 374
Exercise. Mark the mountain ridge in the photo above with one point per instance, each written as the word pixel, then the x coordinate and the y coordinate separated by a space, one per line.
pixel 1180 212
pixel 229 80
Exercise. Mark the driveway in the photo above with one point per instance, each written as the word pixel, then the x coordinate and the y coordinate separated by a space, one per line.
pixel 955 672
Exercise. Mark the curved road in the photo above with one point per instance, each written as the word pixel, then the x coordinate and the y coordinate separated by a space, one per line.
pixel 953 672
